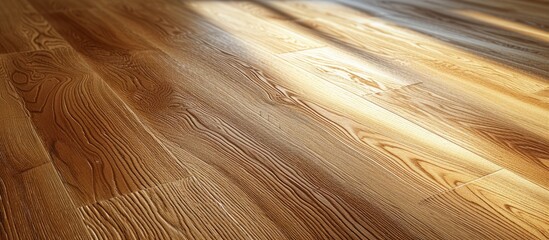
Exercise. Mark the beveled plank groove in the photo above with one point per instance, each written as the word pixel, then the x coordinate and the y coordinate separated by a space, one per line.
pixel 97 145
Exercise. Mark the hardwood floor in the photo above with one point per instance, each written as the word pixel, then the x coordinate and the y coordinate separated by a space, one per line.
pixel 172 119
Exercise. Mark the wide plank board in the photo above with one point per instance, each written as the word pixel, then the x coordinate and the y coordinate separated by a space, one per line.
pixel 100 149
pixel 184 209
pixel 497 206
pixel 469 125
pixel 33 202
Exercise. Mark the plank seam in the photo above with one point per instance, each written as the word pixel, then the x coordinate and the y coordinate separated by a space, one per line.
pixel 423 201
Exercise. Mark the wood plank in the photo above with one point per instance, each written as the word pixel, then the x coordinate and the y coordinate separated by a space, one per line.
pixel 255 30
pixel 33 201
pixel 49 6
pixel 433 61
pixel 208 125
pixel 99 147
pixel 164 102
pixel 349 72
pixel 473 126
pixel 141 75
pixel 11 102
pixel 184 209
pixel 442 20
pixel 27 32
pixel 497 206
pixel 13 7
pixel 169 22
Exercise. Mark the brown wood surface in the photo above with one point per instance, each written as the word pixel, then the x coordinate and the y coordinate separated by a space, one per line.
pixel 169 119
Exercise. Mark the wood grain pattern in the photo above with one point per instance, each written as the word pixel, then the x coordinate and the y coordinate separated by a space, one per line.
pixel 499 195
pixel 143 83
pixel 33 202
pixel 170 119
pixel 470 126
pixel 448 66
pixel 11 102
pixel 98 146
pixel 346 71
pixel 26 32
pixel 180 210
pixel 14 7
pixel 276 38
pixel 181 53
pixel 168 23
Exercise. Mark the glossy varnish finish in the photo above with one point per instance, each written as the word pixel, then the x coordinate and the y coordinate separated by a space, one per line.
pixel 133 119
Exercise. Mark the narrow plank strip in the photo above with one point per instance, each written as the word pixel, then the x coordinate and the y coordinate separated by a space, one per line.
pixel 48 6
pixel 441 20
pixel 498 207
pixel 473 126
pixel 99 147
pixel 183 209
pixel 351 73
pixel 33 201
pixel 169 22
pixel 255 30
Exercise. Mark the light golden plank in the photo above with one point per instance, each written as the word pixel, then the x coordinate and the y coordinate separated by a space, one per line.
pixel 473 126
pixel 434 61
pixel 497 206
pixel 255 30
pixel 349 72
pixel 184 209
